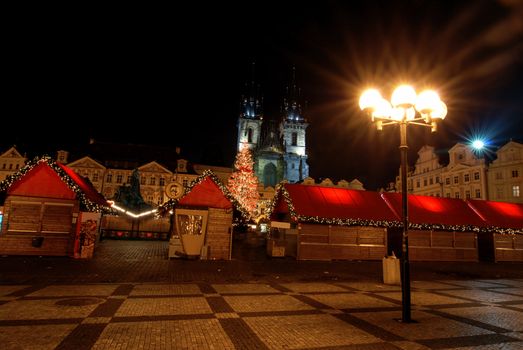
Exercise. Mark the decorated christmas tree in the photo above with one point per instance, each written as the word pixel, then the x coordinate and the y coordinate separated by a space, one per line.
pixel 243 183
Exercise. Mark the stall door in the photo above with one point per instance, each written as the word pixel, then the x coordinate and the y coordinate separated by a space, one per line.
pixel 191 226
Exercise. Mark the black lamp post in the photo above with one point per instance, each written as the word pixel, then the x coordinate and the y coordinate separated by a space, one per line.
pixel 403 110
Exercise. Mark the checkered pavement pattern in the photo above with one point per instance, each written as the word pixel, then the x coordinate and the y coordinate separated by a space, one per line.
pixel 448 314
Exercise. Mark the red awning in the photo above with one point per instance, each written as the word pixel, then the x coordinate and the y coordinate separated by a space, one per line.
pixel 435 210
pixel 499 214
pixel 206 194
pixel 90 192
pixel 336 203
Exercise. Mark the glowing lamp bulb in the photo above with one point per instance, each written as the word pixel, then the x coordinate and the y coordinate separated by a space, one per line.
pixel 403 96
pixel 478 144
pixel 370 99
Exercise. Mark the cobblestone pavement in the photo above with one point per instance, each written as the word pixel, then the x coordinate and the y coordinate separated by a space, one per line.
pixel 352 310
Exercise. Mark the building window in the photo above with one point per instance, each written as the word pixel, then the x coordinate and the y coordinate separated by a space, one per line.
pixel 447 195
pixel 456 195
pixel 417 183
pixel 4 166
pixel 109 178
pixel 499 192
pixel 152 182
pixel 499 175
pixel 515 173
pixel 11 167
pixel 119 178
pixel 17 166
pixel 143 180
pixel 455 179
pixel 476 176
pixel 460 156
pixel 467 178
pixel 467 194
pixel 249 135
pixel 431 181
pixel 437 179
pixel 95 177
pixel 515 190
pixel 292 166
pixel 128 179
pixel 478 193
pixel 437 194
pixel 295 139
pixel 447 181
pixel 185 183
pixel 162 181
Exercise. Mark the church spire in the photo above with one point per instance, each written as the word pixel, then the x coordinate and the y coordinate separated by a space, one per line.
pixel 292 110
pixel 251 106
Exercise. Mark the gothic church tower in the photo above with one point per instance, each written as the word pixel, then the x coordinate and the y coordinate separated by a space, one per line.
pixel 293 128
pixel 251 117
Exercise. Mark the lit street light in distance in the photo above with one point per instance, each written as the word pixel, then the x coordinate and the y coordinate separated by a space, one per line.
pixel 478 145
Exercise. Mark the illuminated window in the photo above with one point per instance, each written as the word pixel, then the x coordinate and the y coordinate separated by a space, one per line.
pixel 109 178
pixel 515 173
pixel 467 194
pixel 152 181
pixel 476 176
pixel 478 193
pixel 456 179
pixel 295 139
pixel 119 178
pixel 515 191
pixel 467 177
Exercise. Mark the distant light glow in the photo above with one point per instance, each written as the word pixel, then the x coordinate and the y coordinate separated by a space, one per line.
pixel 478 144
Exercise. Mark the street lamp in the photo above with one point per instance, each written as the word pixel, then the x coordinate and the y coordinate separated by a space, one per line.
pixel 405 107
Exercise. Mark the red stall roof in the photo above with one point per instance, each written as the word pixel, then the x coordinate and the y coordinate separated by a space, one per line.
pixel 206 193
pixel 333 204
pixel 45 179
pixel 499 214
pixel 427 210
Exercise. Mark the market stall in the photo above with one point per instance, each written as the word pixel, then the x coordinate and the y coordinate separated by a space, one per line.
pixel 503 241
pixel 49 210
pixel 328 223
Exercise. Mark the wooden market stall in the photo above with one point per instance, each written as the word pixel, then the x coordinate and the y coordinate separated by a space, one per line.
pixel 49 210
pixel 503 241
pixel 328 223
pixel 202 220
pixel 441 229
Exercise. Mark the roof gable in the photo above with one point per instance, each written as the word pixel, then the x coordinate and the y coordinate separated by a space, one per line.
pixel 153 167
pixel 85 162
pixel 11 153
pixel 41 181
pixel 206 193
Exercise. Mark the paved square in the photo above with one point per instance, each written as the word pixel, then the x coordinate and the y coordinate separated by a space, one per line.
pixel 4 290
pixel 75 290
pixel 164 289
pixel 163 306
pixel 184 334
pixel 313 287
pixel 351 301
pixel 483 296
pixel 43 309
pixel 244 288
pixel 34 337
pixel 496 316
pixel 265 303
pixel 425 298
pixel 308 331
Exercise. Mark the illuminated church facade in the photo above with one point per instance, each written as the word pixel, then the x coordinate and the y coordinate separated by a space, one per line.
pixel 278 146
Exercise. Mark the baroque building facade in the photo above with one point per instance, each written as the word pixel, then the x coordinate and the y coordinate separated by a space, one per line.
pixel 10 161
pixel 464 177
pixel 505 177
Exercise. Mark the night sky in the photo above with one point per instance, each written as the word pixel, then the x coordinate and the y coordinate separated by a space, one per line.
pixel 180 72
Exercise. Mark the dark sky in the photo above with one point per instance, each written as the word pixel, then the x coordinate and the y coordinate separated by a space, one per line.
pixel 175 76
